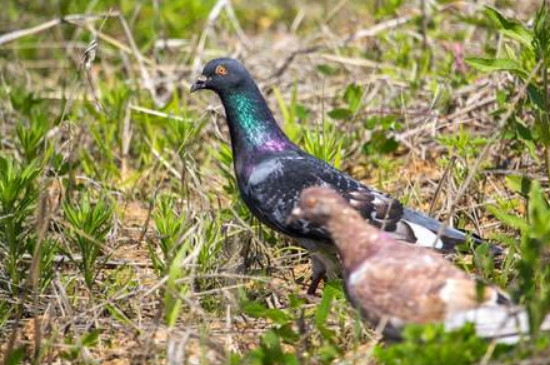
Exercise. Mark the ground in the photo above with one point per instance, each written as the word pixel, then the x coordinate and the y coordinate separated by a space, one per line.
pixel 122 236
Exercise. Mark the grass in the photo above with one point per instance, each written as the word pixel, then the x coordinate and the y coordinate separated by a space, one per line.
pixel 122 235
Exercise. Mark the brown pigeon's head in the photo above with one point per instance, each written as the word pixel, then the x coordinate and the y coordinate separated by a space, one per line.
pixel 317 205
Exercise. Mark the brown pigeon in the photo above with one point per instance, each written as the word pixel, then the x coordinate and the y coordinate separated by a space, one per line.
pixel 399 283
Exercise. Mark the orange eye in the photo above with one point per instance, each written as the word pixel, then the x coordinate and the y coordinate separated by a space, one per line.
pixel 220 70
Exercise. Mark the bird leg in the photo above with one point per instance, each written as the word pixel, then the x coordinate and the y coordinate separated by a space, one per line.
pixel 319 272
pixel 325 265
pixel 315 281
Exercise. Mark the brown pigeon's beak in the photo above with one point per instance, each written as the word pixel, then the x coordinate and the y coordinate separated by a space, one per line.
pixel 199 84
pixel 297 213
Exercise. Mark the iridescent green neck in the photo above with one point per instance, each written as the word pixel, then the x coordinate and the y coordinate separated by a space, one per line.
pixel 251 123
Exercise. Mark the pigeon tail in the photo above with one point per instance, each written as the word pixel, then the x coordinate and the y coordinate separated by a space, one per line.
pixel 503 324
pixel 450 237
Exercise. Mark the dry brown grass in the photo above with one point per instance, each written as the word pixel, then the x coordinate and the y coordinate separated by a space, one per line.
pixel 128 307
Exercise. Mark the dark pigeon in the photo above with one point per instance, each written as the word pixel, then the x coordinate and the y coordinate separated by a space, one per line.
pixel 272 171
pixel 394 284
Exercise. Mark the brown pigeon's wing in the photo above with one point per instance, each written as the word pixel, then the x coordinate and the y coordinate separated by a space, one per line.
pixel 403 283
pixel 462 294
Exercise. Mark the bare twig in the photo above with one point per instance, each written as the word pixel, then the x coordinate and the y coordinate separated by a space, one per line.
pixel 73 19
pixel 440 185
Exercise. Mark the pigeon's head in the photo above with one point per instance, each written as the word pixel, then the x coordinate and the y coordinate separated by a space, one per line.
pixel 221 74
pixel 317 205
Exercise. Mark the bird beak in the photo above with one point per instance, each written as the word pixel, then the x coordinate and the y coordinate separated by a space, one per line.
pixel 199 84
pixel 297 213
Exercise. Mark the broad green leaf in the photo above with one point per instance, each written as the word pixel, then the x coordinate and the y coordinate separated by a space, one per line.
pixel 118 314
pixel 497 64
pixel 277 315
pixel 523 131
pixel 296 301
pixel 541 39
pixel 16 356
pixel 519 184
pixel 257 310
pixel 323 309
pixel 508 219
pixel 380 144
pixel 535 96
pixel 90 339
pixel 174 291
pixel 327 70
pixel 352 96
pixel 539 212
pixel 510 28
pixel 288 334
pixel 281 103
pixel 340 113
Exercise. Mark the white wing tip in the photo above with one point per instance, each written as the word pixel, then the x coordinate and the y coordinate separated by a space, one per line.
pixel 503 324
pixel 425 237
